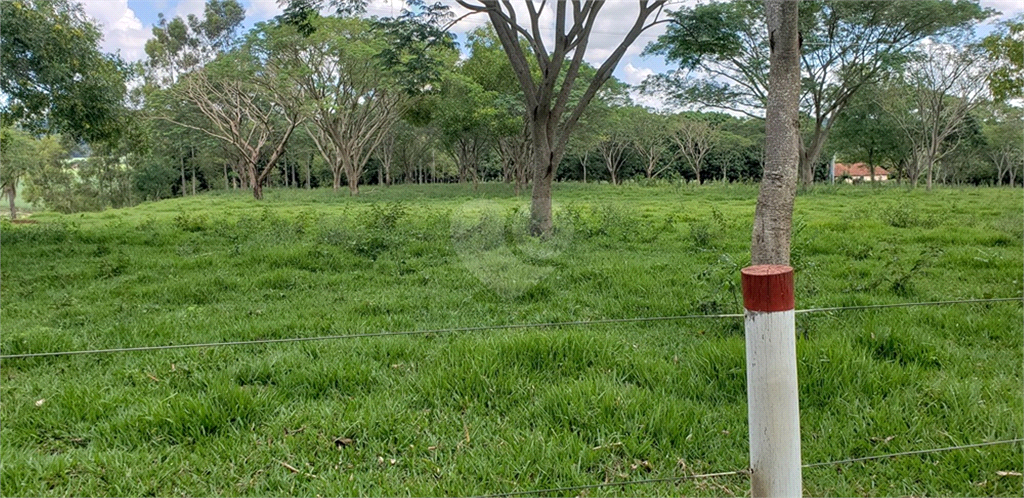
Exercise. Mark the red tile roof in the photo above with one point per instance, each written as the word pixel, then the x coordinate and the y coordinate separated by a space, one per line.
pixel 858 169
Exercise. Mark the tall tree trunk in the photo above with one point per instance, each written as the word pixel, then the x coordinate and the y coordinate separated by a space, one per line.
pixel 353 185
pixel 337 177
pixel 586 157
pixel 309 177
pixel 11 192
pixel 928 184
pixel 184 191
pixel 809 154
pixel 545 161
pixel 773 216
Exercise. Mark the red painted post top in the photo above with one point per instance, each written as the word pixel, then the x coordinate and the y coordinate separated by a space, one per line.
pixel 768 288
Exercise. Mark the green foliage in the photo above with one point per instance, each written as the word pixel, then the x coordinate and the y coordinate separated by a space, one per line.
pixel 907 214
pixel 55 78
pixel 418 44
pixel 18 154
pixel 723 49
pixel 1006 46
pixel 187 222
pixel 867 132
pixel 707 31
pixel 182 45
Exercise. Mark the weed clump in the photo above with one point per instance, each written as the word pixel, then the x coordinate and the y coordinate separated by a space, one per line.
pixel 613 223
pixel 906 215
pixel 187 222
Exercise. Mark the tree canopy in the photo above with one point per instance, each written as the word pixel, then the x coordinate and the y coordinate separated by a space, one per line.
pixel 54 76
pixel 722 48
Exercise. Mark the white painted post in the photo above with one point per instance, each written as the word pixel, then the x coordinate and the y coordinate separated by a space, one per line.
pixel 773 406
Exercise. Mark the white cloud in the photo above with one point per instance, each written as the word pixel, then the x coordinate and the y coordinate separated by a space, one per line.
pixel 122 29
pixel 633 75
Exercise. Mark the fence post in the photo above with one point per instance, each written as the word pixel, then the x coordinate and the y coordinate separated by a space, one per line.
pixel 773 406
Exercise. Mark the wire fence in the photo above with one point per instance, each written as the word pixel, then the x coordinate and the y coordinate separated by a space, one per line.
pixel 480 328
pixel 745 472
pixel 619 484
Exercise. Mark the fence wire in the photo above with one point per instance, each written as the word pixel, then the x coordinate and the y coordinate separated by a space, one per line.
pixel 747 472
pixel 915 452
pixel 481 328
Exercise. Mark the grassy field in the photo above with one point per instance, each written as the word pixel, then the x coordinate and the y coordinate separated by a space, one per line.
pixel 496 411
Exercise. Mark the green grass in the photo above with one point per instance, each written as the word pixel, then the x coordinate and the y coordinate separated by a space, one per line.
pixel 501 410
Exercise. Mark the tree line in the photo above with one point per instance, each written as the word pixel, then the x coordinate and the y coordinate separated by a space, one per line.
pixel 341 100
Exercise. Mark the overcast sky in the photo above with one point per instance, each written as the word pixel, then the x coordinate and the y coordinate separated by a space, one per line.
pixel 127 24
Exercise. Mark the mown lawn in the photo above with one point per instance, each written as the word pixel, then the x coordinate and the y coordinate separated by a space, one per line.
pixel 502 410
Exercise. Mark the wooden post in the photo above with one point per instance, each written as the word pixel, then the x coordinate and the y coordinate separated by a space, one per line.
pixel 773 406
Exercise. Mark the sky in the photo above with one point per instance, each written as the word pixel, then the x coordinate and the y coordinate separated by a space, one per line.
pixel 127 24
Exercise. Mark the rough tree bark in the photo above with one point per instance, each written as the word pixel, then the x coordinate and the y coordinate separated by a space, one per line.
pixel 773 217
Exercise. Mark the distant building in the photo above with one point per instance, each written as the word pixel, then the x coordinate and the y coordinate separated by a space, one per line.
pixel 859 172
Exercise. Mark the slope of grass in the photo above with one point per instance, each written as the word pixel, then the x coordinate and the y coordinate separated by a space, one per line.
pixel 501 410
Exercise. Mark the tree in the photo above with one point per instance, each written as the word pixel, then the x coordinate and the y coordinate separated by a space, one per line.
pixel 649 138
pixel 181 45
pixel 19 157
pixel 932 102
pixel 1005 144
pixel 54 78
pixel 353 100
pixel 1006 46
pixel 501 106
pixel 468 122
pixel 867 133
pixel 53 183
pixel 693 139
pixel 773 215
pixel 246 102
pixel 723 53
pixel 615 138
pixel 550 114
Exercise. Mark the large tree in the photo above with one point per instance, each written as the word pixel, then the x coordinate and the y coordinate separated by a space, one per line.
pixel 933 99
pixel 722 49
pixel 867 133
pixel 55 79
pixel 245 100
pixel 615 138
pixel 352 98
pixel 180 46
pixel 694 138
pixel 551 114
pixel 1004 146
pixel 649 139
